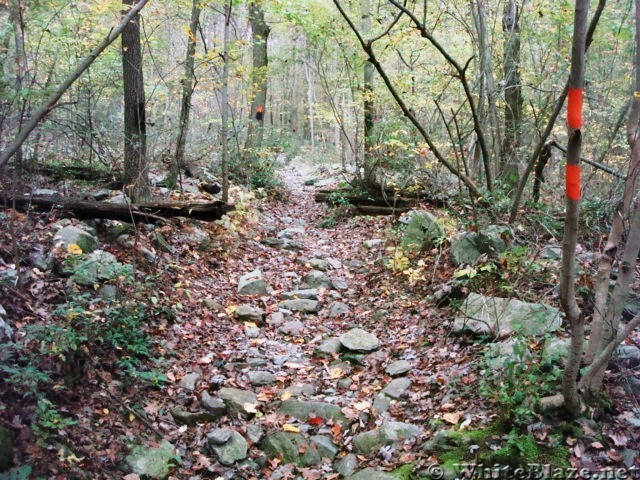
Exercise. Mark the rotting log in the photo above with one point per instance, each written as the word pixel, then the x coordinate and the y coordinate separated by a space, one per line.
pixel 147 212
pixel 341 196
pixel 79 172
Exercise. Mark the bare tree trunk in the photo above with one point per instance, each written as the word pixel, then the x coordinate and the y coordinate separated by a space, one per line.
pixel 53 99
pixel 188 85
pixel 16 9
pixel 512 94
pixel 224 130
pixel 260 36
pixel 368 159
pixel 311 106
pixel 136 164
pixel 567 277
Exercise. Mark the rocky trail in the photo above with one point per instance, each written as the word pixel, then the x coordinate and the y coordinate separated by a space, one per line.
pixel 293 351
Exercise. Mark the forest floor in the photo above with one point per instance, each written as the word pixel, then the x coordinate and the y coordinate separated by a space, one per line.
pixel 205 349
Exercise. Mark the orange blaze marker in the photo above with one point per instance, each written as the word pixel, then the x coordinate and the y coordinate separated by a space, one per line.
pixel 574 108
pixel 259 112
pixel 572 182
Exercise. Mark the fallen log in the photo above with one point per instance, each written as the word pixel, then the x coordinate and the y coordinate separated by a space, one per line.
pixel 79 172
pixel 337 197
pixel 146 212
pixel 378 210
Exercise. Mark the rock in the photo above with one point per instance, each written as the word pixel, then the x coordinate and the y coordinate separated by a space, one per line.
pixel 354 263
pixel 76 235
pixel 247 313
pixel 551 252
pixel 98 266
pixel 503 316
pixel 291 448
pixel 422 231
pixel 555 349
pixel 317 279
pixel 252 284
pixel 333 263
pixel 301 305
pixel 339 284
pixel 260 378
pixel 330 346
pixel 358 340
pixel 305 294
pixel 152 462
pixel 325 446
pixel 6 449
pixel 468 247
pixel 232 451
pixel 628 355
pixel 444 440
pixel 6 332
pixel 212 405
pixel 282 244
pixel 45 191
pixel 389 433
pixel 631 306
pixel 318 264
pixel 374 242
pixel 108 292
pixel 292 232
pixel 300 390
pixel 183 417
pixel 397 368
pixel 255 433
pixel 500 355
pixel 303 410
pixel 347 465
pixel 212 305
pixel 196 237
pixel 188 382
pixel 276 319
pixel 397 388
pixel 381 403
pixel 337 309
pixel 252 331
pixel 293 328
pixel 241 402
pixel 219 436
pixel 371 474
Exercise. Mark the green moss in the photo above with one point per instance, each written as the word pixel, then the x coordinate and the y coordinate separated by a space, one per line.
pixel 405 472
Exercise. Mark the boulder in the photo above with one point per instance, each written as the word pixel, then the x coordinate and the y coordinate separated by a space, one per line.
pixel 240 402
pixel 260 378
pixel 347 465
pixel 500 355
pixel 325 446
pixel 389 433
pixel 398 368
pixel 152 462
pixel 504 316
pixel 374 242
pixel 303 410
pixel 358 340
pixel 317 279
pixel 72 234
pixel 189 381
pixel 293 328
pixel 301 305
pixel 397 388
pixel 330 346
pixel 291 232
pixel 468 247
pixel 213 405
pixel 371 474
pixel 247 313
pixel 98 266
pixel 232 450
pixel 291 448
pixel 252 284
pixel 422 231
pixel 337 309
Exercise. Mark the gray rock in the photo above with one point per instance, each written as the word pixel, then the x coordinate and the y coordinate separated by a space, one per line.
pixel 347 465
pixel 501 354
pixel 212 404
pixel 252 284
pixel 76 235
pixel 399 367
pixel 374 242
pixel 330 346
pixel 292 232
pixel 48 192
pixel 241 402
pixel 381 403
pixel 251 331
pixel 333 263
pixel 152 462
pixel 195 237
pixel 305 294
pixel 108 292
pixel 212 305
pixel 301 390
pixel 339 284
pixel 358 340
pixel 422 231
pixel 184 417
pixel 232 451
pixel 98 266
pixel 283 244
pixel 318 264
pixel 255 433
pixel 247 313
pixel 503 316
pixel 371 474
pixel 468 247
pixel 551 252
pixel 354 263
pixel 294 328
pixel 317 279
pixel 444 440
pixel 397 388
pixel 629 355
pixel 6 448
pixel 219 436
pixel 276 319
pixel 303 410
pixel 291 448
pixel 631 306
pixel 189 381
pixel 555 349
pixel 389 433
pixel 337 309
pixel 301 305
pixel 43 262
pixel 325 446
pixel 260 378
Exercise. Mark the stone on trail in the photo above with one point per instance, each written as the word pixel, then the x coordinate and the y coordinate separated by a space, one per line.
pixel 303 410
pixel 291 448
pixel 219 436
pixel 503 316
pixel 231 451
pixel 422 231
pixel 247 313
pixel 325 446
pixel 152 462
pixel 301 305
pixel 371 474
pixel 317 279
pixel 291 232
pixel 282 243
pixel 251 331
pixel 305 294
pixel 397 388
pixel 330 346
pixel 78 235
pixel 253 283
pixel 337 309
pixel 374 242
pixel 212 404
pixel 255 433
pixel 347 465
pixel 292 328
pixel 241 402
pixel 389 433
pixel 261 378
pixel 399 367
pixel 189 381
pixel 358 340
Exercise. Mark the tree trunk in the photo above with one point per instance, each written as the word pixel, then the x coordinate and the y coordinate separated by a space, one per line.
pixel 188 85
pixel 224 130
pixel 567 277
pixel 512 95
pixel 368 106
pixel 260 36
pixel 136 164
pixel 16 19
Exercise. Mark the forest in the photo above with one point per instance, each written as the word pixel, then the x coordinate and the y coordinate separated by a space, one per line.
pixel 319 239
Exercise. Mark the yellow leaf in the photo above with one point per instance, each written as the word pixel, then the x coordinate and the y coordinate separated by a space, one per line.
pixel 250 325
pixel 132 417
pixel 452 418
pixel 74 249
pixel 336 373
pixel 287 427
pixel 286 396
